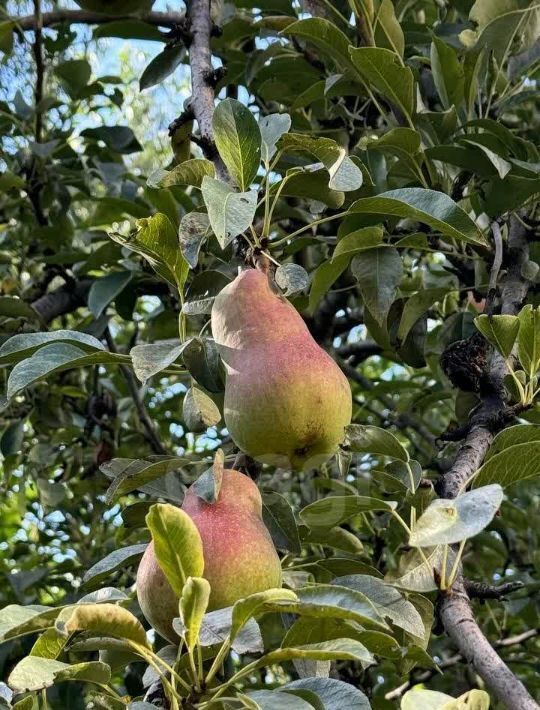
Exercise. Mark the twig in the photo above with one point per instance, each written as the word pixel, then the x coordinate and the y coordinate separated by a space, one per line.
pixel 478 590
pixel 454 607
pixel 57 17
pixel 150 432
pixel 202 91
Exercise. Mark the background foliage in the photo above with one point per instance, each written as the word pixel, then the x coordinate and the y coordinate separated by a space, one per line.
pixel 437 96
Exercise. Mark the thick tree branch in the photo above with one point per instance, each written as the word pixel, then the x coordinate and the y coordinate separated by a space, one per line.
pixel 65 299
pixel 202 90
pixel 57 17
pixel 454 606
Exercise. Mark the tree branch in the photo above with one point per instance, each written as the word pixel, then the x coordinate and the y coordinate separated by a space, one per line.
pixel 454 606
pixel 479 590
pixel 57 17
pixel 202 91
pixel 150 431
pixel 65 299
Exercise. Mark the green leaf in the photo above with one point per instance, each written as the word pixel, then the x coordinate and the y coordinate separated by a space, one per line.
pixel 529 339
pixel 246 609
pixel 201 357
pixel 323 277
pixel 333 601
pixel 190 172
pixel 518 434
pixel 413 573
pixel 387 30
pixel 359 240
pixel 216 627
pixel 199 411
pixel 194 228
pixel 426 206
pixel 334 510
pixel 279 518
pixel 35 673
pixel 344 174
pixel 516 462
pixel 16 308
pixel 422 699
pixel 54 358
pixel 150 358
pixel 387 600
pixel 119 559
pixel 448 73
pixel 131 474
pixel 22 346
pixel 416 306
pixel 12 438
pixel 193 605
pixel 238 140
pixel 382 70
pixel 102 620
pixel 336 649
pixel 74 75
pixel 162 66
pixel 445 522
pixel 6 37
pixel 326 37
pixel 374 440
pixel 208 485
pixel 311 183
pixel 272 127
pixel 275 700
pixel 499 23
pixel 128 29
pixel 291 278
pixel 106 289
pixel 230 213
pixel 333 694
pixel 16 620
pixel 378 273
pixel 500 331
pixel 177 544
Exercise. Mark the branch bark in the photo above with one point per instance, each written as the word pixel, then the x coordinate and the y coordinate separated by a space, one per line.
pixel 455 610
pixel 57 17
pixel 202 91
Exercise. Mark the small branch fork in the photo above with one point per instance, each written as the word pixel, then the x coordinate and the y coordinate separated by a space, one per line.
pixel 454 607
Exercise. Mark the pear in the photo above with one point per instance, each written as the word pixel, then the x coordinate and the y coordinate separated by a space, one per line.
pixel 286 400
pixel 239 555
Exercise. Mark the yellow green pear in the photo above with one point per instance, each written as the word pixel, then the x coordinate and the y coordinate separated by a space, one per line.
pixel 239 555
pixel 286 400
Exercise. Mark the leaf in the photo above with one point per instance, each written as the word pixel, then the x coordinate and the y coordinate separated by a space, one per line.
pixel 193 605
pixel 422 699
pixel 22 346
pixel 528 339
pixel 162 66
pixel 208 485
pixel 12 438
pixel 311 183
pixel 6 37
pixel 448 73
pixel 387 600
pixel 120 139
pixel 324 276
pixel 230 213
pixel 106 289
pixel 426 206
pixel 332 694
pixel 54 358
pixel 378 273
pixel 102 620
pixel 157 241
pixel 413 573
pixel 128 29
pixel 245 609
pixel 387 30
pixel 291 278
pixel 333 601
pixel 190 172
pixel 279 518
pixel 119 559
pixel 177 544
pixel 34 673
pixel 276 700
pixel 325 36
pixel 334 510
pixel 381 69
pixel 272 127
pixel 201 358
pixel 359 240
pixel 216 627
pixel 518 434
pixel 499 23
pixel 344 174
pixel 194 228
pixel 150 358
pixel 238 140
pixel 416 306
pixel 336 649
pixel 16 308
pixel 515 463
pixel 446 521
pixel 199 411
pixel 374 440
pixel 74 75
pixel 131 474
pixel 16 620
pixel 500 330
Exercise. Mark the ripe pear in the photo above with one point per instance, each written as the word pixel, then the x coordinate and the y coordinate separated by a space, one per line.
pixel 239 555
pixel 286 400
